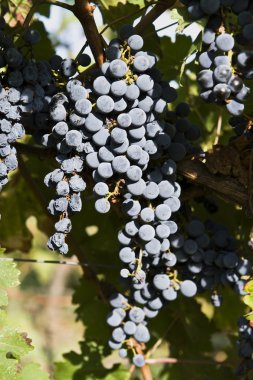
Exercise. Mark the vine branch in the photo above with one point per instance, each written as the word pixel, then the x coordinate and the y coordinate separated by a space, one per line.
pixel 182 361
pixel 83 11
pixel 58 4
pixel 151 16
pixel 196 172
pixel 193 171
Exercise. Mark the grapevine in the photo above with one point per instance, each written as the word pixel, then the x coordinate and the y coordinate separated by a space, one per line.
pixel 119 135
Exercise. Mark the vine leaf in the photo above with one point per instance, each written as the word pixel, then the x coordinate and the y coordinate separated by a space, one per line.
pixel 14 345
pixel 249 287
pixel 3 297
pixel 65 370
pixel 173 55
pixel 114 3
pixel 33 371
pixel 8 368
pixel 18 10
pixel 248 300
pixel 181 15
pixel 118 11
pixel 194 48
pixel 14 342
pixel 9 275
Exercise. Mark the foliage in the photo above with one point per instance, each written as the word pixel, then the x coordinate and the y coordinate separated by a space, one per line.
pixel 14 345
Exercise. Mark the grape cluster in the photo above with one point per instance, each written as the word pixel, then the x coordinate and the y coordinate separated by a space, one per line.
pixel 110 127
pixel 114 129
pixel 134 326
pixel 67 136
pixel 130 98
pixel 245 346
pixel 30 102
pixel 204 8
pixel 22 83
pixel 153 146
pixel 225 59
pixel 207 254
pixel 218 80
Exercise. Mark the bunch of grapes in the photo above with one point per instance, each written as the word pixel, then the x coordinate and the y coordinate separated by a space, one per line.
pixel 245 346
pixel 226 58
pixel 109 129
pixel 22 89
pixel 113 131
pixel 114 128
pixel 208 255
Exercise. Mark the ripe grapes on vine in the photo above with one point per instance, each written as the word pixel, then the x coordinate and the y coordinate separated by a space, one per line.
pixel 148 142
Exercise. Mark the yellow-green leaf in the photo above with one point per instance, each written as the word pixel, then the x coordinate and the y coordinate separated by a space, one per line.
pixel 14 342
pixel 248 300
pixel 249 287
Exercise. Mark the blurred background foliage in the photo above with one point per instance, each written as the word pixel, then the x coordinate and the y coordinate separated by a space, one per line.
pixel 58 305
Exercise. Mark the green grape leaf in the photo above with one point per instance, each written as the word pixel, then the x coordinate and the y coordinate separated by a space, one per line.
pixel 181 15
pixel 140 3
pixel 3 297
pixel 9 275
pixel 33 371
pixel 194 48
pixel 8 367
pixel 249 316
pixel 248 288
pixel 119 373
pixel 44 50
pixel 65 370
pixel 17 11
pixel 118 11
pixel 90 305
pixel 13 342
pixel 3 318
pixel 114 3
pixel 173 55
pixel 248 300
pixel 45 9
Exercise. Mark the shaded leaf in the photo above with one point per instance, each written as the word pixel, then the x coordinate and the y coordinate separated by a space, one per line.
pixel 65 370
pixel 118 11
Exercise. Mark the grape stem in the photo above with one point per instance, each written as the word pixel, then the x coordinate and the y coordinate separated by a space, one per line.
pixel 227 187
pixel 145 370
pixel 218 129
pixel 182 361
